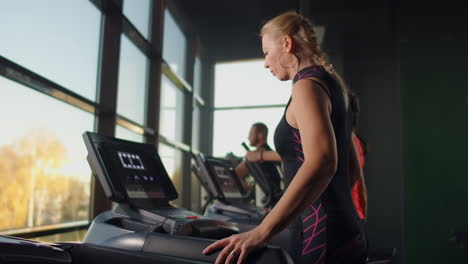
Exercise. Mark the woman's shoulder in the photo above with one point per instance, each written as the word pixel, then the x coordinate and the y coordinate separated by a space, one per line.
pixel 311 86
pixel 310 71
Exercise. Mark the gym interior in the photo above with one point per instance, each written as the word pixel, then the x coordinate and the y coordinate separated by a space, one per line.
pixel 175 75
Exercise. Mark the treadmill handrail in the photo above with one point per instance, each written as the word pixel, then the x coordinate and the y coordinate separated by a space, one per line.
pixel 264 183
pixel 163 244
pixel 211 195
pixel 209 182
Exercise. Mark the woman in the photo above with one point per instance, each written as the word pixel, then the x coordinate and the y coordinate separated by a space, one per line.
pixel 314 143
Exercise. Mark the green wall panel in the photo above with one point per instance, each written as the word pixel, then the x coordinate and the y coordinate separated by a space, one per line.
pixel 434 90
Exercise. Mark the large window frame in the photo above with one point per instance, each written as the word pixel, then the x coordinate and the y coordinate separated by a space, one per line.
pixel 113 25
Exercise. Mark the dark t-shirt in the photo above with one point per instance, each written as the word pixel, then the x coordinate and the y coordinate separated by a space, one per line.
pixel 271 171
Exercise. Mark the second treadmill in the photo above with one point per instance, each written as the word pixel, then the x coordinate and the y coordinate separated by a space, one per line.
pixel 228 200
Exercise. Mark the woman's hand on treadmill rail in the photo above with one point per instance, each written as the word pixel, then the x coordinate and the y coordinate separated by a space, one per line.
pixel 234 249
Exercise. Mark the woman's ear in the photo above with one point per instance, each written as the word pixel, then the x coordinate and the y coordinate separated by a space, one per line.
pixel 288 43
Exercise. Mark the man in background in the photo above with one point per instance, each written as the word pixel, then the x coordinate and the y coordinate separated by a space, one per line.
pixel 258 136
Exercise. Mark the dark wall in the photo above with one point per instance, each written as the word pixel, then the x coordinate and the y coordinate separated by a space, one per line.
pixel 230 29
pixel 408 65
pixel 371 69
pixel 434 87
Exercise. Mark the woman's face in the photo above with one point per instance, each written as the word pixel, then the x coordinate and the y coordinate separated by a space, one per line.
pixel 272 49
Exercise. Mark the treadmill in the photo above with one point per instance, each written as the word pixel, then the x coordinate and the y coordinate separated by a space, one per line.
pixel 228 200
pixel 264 178
pixel 143 222
pixel 14 250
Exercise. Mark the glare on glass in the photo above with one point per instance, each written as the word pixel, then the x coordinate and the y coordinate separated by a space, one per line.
pixel 245 83
pixel 174 45
pixel 124 133
pixel 132 88
pixel 248 83
pixel 138 12
pixel 44 175
pixel 54 38
pixel 231 128
pixel 172 161
pixel 197 78
pixel 75 236
pixel 171 115
pixel 196 126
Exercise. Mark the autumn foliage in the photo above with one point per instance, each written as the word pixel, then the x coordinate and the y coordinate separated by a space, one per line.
pixel 33 189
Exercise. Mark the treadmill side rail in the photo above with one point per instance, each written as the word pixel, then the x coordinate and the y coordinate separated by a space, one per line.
pixel 17 250
pixel 191 249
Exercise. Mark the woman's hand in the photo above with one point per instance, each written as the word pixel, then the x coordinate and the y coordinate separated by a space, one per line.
pixel 237 247
pixel 253 156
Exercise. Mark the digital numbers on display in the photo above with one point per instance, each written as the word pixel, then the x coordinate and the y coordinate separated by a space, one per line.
pixel 131 161
pixel 221 172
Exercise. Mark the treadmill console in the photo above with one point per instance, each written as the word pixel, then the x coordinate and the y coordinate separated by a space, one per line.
pixel 224 183
pixel 232 203
pixel 133 176
pixel 129 172
pixel 226 178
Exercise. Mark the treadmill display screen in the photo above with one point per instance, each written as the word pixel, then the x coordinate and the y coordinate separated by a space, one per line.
pixel 224 176
pixel 139 181
pixel 129 171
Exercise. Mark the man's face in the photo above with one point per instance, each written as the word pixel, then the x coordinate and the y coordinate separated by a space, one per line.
pixel 253 136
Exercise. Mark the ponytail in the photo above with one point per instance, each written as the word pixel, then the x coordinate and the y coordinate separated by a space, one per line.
pixel 302 31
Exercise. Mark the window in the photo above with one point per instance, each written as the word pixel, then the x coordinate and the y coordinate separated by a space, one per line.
pixel 231 128
pixel 197 78
pixel 239 84
pixel 172 100
pixel 196 127
pixel 197 90
pixel 131 97
pixel 45 175
pixel 73 236
pixel 248 83
pixel 171 115
pixel 174 45
pixel 138 13
pixel 124 133
pixel 56 39
pixel 172 160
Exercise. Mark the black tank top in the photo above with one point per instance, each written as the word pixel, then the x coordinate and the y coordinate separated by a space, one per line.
pixel 341 218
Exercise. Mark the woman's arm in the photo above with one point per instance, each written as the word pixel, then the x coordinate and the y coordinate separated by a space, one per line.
pixel 311 111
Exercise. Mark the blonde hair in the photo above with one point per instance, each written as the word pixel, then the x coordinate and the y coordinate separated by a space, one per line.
pixel 301 30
